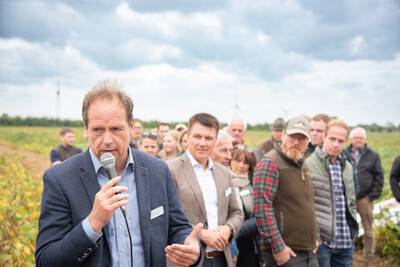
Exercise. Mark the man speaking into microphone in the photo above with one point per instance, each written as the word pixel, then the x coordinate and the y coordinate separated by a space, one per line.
pixel 81 223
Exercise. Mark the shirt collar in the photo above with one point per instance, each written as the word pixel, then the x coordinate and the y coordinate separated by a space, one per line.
pixel 323 154
pixel 97 164
pixel 194 162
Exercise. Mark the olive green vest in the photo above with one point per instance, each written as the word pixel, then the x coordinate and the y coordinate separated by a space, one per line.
pixel 294 203
pixel 66 152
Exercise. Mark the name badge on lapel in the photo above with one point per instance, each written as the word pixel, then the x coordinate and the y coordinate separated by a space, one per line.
pixel 244 192
pixel 228 191
pixel 157 212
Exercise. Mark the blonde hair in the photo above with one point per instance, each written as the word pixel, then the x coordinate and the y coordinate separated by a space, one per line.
pixel 175 135
pixel 336 122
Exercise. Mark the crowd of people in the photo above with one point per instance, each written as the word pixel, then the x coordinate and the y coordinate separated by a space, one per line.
pixel 199 195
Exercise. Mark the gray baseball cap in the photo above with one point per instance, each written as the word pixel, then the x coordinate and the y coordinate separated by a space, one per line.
pixel 298 125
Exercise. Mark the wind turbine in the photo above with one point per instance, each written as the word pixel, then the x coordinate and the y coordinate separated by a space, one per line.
pixel 236 106
pixel 58 100
pixel 285 112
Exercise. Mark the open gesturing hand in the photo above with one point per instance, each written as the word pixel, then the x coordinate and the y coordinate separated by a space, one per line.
pixel 186 254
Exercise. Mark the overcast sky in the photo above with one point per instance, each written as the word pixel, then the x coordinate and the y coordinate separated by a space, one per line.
pixel 272 58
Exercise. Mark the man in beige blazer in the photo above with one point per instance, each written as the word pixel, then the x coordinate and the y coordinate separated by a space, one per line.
pixel 206 193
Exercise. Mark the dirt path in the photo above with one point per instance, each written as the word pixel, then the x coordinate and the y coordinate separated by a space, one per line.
pixel 34 162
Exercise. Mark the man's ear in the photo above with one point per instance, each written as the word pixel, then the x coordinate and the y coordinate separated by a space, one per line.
pixel 86 131
pixel 132 127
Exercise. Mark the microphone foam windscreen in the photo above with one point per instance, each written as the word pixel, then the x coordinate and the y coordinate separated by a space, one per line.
pixel 107 160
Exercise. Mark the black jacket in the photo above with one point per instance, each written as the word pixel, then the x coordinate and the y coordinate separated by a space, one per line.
pixel 369 173
pixel 395 178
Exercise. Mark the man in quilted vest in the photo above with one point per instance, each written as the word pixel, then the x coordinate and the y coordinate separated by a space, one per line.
pixel 335 199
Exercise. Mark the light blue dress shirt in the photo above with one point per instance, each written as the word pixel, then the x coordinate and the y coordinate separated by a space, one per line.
pixel 118 233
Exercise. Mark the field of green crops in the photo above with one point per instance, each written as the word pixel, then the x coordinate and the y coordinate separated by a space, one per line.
pixel 21 190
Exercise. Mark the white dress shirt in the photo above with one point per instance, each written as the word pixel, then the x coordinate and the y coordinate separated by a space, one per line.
pixel 209 189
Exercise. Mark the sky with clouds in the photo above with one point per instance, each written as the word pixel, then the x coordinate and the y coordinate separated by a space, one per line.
pixel 272 58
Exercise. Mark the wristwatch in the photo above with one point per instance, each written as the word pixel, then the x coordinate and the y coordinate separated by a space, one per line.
pixel 231 235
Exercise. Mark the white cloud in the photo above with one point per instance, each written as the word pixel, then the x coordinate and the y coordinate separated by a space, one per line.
pixel 356 44
pixel 280 57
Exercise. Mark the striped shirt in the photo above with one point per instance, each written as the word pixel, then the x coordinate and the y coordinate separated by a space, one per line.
pixel 342 234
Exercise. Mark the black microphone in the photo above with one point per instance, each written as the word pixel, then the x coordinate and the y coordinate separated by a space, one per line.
pixel 108 162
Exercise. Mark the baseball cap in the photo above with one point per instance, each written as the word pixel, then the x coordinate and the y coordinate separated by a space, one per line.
pixel 278 125
pixel 298 125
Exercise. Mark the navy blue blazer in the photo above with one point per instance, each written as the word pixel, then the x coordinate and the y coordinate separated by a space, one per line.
pixel 68 196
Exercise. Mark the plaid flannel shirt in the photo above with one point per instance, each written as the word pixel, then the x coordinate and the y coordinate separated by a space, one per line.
pixel 342 234
pixel 266 181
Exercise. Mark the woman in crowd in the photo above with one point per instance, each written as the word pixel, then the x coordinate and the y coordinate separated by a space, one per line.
pixel 244 160
pixel 182 141
pixel 170 145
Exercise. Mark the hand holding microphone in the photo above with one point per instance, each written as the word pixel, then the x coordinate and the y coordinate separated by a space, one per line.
pixel 108 162
pixel 108 199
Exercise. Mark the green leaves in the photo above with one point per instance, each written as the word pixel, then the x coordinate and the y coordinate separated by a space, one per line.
pixel 19 211
pixel 387 236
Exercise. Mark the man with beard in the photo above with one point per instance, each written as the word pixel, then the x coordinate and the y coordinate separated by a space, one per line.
pixel 284 200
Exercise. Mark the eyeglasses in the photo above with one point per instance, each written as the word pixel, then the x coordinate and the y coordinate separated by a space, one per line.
pixel 150 135
pixel 301 140
pixel 242 147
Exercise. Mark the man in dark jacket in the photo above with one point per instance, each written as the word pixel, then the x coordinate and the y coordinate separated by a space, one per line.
pixel 318 126
pixel 395 178
pixel 369 174
pixel 276 136
pixel 66 149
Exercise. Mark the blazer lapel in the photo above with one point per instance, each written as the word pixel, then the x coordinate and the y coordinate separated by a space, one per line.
pixel 219 183
pixel 143 198
pixel 190 176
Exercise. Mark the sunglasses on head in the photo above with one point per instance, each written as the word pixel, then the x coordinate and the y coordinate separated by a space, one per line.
pixel 150 134
pixel 242 147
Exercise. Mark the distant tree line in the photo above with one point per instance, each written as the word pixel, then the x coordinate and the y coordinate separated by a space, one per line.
pixel 6 120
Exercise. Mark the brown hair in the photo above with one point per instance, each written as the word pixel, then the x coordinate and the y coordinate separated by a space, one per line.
pixel 107 89
pixel 204 119
pixel 65 131
pixel 250 157
pixel 336 122
pixel 163 124
pixel 322 117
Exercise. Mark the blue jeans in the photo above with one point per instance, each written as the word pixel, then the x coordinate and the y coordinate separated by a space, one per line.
pixel 332 257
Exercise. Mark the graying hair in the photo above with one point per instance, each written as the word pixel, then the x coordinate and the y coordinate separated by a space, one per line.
pixel 238 118
pixel 364 132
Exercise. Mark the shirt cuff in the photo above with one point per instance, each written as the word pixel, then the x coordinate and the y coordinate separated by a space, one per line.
pixel 278 244
pixel 92 235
